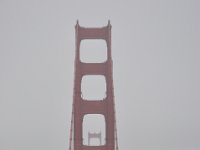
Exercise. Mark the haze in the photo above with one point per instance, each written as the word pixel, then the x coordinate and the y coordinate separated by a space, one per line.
pixel 155 51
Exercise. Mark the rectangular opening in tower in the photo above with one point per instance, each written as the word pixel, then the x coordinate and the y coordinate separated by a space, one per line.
pixel 93 51
pixel 94 130
pixel 93 87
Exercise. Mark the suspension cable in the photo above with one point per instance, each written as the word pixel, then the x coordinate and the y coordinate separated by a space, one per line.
pixel 71 127
pixel 116 137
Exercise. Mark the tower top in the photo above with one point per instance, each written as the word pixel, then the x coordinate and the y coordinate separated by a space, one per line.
pixel 78 25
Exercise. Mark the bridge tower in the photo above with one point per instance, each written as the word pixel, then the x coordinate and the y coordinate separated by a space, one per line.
pixel 94 135
pixel 83 107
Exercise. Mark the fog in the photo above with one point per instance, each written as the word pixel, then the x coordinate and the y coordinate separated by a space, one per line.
pixel 156 65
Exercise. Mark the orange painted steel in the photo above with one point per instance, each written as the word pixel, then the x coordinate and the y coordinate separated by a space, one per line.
pixel 83 107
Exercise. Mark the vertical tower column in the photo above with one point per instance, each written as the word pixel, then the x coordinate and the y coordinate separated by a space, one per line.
pixel 84 107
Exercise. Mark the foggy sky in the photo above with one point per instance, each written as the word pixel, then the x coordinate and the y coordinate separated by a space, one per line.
pixel 155 51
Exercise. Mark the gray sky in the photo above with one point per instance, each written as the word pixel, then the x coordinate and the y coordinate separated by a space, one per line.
pixel 156 51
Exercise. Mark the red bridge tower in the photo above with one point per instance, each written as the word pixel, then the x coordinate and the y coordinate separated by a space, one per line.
pixel 83 107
